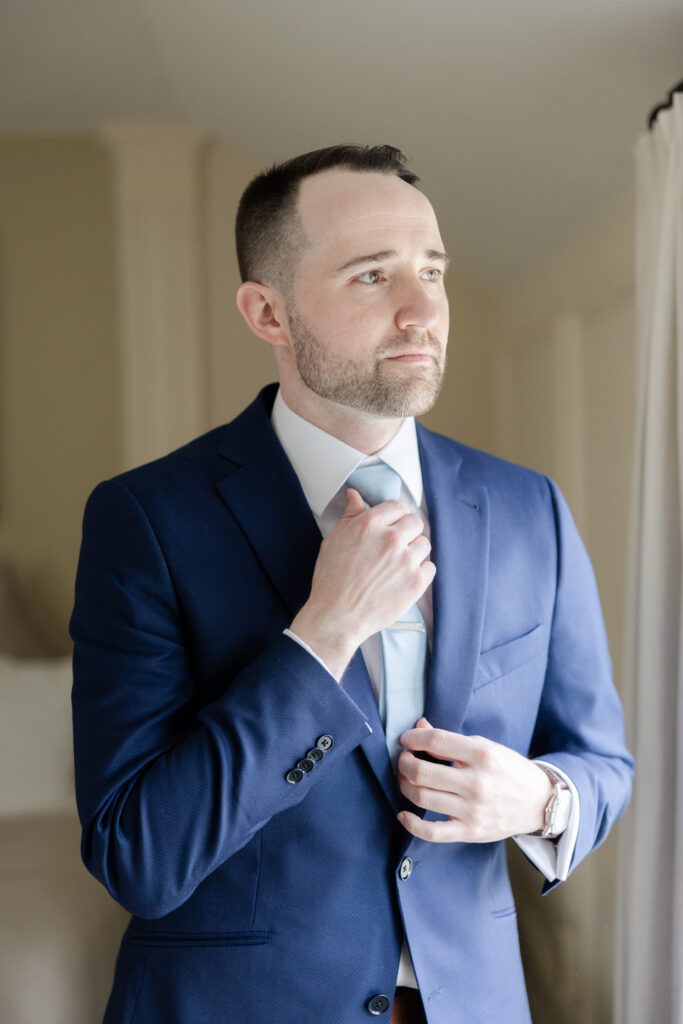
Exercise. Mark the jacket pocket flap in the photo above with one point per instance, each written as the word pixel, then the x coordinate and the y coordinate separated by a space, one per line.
pixel 197 939
pixel 498 661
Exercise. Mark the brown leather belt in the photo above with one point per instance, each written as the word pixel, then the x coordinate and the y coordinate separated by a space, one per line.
pixel 407 1008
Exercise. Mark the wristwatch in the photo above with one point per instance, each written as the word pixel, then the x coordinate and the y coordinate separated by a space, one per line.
pixel 558 807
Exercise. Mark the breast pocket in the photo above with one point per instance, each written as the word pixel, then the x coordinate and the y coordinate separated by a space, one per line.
pixel 505 658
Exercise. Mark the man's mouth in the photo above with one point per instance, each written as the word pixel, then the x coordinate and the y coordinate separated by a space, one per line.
pixel 410 357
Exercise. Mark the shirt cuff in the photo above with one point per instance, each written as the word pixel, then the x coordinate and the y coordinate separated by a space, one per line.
pixel 553 857
pixel 302 643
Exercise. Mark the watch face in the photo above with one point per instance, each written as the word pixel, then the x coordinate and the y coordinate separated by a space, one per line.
pixel 561 812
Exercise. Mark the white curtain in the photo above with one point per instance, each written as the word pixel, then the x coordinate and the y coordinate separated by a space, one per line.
pixel 649 981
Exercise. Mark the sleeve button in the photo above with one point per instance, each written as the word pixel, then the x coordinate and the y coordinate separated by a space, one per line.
pixel 325 742
pixel 294 776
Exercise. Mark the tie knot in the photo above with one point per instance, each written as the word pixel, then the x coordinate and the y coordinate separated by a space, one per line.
pixel 376 483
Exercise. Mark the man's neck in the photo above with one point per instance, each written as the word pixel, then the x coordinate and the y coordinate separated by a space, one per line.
pixel 360 430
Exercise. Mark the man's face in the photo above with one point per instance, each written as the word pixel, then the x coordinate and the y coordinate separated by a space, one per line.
pixel 368 316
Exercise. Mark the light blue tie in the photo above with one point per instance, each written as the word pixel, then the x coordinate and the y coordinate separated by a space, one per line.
pixel 404 643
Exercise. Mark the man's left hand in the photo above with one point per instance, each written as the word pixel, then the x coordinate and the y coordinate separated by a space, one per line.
pixel 488 791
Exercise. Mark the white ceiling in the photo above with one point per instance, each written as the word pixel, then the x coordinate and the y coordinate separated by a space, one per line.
pixel 519 117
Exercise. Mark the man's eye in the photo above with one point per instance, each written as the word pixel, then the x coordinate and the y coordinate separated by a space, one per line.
pixel 370 277
pixel 434 274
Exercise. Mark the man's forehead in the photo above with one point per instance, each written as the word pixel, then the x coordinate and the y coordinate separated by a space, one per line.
pixel 341 205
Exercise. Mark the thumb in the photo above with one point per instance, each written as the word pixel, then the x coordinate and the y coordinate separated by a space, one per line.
pixel 423 724
pixel 354 504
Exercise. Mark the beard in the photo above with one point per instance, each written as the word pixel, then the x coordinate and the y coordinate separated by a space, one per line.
pixel 371 386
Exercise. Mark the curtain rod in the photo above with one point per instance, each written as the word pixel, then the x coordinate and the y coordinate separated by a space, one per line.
pixel 665 105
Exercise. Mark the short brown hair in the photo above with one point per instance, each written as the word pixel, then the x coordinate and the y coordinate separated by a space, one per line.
pixel 268 241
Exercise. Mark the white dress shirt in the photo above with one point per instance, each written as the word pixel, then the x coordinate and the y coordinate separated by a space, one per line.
pixel 323 463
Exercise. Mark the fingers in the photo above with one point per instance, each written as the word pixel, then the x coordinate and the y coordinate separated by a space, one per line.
pixel 451 831
pixel 438 787
pixel 459 796
pixel 427 573
pixel 385 513
pixel 420 548
pixel 371 568
pixel 405 528
pixel 354 504
pixel 397 515
pixel 488 791
pixel 457 792
pixel 448 746
pixel 427 775
pixel 439 800
pixel 407 535
pixel 407 525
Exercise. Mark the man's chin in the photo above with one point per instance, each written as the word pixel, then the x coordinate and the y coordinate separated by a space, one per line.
pixel 416 393
pixel 409 401
pixel 387 395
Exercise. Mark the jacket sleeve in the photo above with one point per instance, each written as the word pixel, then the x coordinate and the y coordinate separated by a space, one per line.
pixel 168 790
pixel 580 722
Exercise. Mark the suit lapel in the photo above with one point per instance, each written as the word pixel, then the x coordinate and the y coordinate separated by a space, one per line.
pixel 264 495
pixel 357 684
pixel 459 523
pixel 266 499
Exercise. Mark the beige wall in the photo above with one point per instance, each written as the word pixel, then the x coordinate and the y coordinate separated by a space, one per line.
pixel 59 430
pixel 565 406
pixel 239 363
pixel 465 408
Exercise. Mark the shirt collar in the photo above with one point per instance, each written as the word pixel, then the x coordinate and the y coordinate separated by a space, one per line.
pixel 323 463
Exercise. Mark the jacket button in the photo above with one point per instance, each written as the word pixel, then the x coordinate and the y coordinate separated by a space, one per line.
pixel 325 742
pixel 295 775
pixel 378 1005
pixel 406 869
pixel 315 754
pixel 306 764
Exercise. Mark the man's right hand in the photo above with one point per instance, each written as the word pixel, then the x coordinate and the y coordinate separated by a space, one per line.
pixel 371 568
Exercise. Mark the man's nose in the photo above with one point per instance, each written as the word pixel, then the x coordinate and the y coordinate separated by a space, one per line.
pixel 420 305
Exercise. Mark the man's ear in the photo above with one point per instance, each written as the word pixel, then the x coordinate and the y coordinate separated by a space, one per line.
pixel 263 309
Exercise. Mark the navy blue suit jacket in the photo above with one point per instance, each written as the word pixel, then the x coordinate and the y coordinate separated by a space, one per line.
pixel 256 900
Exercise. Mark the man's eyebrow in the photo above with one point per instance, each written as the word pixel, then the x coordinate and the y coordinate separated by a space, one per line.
pixel 373 257
pixel 438 257
pixel 434 255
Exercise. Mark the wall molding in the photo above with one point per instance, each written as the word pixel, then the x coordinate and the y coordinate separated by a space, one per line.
pixel 163 354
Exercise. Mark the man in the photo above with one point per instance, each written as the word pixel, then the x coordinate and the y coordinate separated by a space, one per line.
pixel 297 761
